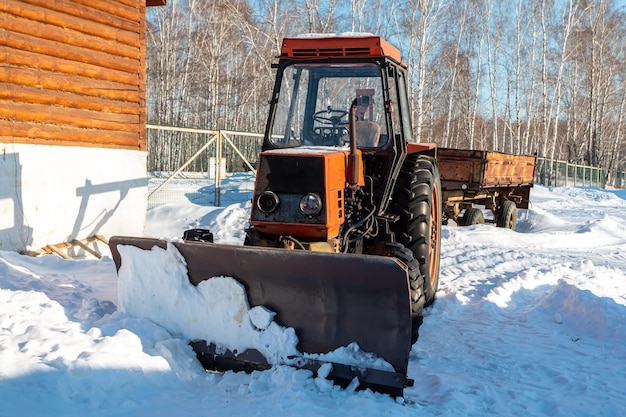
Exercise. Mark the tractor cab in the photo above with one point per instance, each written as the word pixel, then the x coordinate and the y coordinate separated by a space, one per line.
pixel 314 101
pixel 319 78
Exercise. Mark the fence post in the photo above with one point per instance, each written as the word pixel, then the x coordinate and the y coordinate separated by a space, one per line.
pixel 566 174
pixel 218 170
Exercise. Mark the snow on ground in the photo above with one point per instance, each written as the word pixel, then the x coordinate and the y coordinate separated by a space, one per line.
pixel 530 323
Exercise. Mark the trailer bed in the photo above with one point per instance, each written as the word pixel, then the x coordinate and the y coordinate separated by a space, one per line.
pixel 489 178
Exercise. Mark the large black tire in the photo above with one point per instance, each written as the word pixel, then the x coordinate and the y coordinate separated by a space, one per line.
pixel 507 215
pixel 416 280
pixel 417 200
pixel 472 216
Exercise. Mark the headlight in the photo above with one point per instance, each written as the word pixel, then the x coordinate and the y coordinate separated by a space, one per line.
pixel 311 204
pixel 267 202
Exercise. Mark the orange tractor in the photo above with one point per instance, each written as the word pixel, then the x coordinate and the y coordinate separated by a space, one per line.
pixel 344 236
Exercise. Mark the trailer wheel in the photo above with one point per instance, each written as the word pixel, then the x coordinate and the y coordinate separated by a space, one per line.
pixel 472 216
pixel 417 200
pixel 507 215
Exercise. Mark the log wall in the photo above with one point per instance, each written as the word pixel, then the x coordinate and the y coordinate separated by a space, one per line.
pixel 72 72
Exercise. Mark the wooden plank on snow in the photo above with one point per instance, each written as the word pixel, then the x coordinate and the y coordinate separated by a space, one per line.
pixel 86 248
pixel 57 251
pixel 58 248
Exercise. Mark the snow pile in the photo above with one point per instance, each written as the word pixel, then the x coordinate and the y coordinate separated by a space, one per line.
pixel 354 356
pixel 154 285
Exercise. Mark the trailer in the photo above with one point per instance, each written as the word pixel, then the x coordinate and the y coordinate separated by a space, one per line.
pixel 499 181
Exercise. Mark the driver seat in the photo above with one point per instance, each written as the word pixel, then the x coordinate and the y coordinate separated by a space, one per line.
pixel 367 134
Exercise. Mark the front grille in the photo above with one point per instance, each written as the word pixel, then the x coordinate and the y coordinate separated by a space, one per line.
pixel 291 174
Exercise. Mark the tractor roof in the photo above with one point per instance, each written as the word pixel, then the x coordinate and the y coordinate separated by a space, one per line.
pixel 353 45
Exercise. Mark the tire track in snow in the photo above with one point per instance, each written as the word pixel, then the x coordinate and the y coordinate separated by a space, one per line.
pixel 525 311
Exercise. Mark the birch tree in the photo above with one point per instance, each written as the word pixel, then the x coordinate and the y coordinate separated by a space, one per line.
pixel 422 24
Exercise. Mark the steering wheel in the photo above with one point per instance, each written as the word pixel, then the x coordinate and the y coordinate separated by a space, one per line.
pixel 331 117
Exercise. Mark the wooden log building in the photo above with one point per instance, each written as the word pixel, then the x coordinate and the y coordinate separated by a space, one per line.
pixel 72 120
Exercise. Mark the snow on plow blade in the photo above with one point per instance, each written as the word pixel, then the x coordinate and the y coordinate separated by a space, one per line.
pixel 330 300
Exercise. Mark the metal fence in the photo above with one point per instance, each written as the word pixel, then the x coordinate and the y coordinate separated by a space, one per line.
pixel 187 164
pixel 620 179
pixel 555 173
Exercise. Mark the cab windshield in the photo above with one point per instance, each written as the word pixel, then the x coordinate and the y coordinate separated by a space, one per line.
pixel 315 100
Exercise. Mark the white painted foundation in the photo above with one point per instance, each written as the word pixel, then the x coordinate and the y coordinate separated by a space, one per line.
pixel 54 194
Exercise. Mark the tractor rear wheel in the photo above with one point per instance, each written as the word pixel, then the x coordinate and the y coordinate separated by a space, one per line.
pixel 417 200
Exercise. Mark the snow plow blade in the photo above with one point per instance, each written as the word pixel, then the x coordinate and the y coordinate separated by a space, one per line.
pixel 330 300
